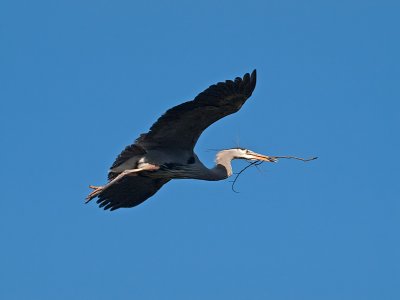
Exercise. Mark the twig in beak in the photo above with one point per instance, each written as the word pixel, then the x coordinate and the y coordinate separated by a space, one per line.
pixel 259 162
pixel 254 163
pixel 294 157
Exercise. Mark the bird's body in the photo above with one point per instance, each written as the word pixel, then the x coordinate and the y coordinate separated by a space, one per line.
pixel 166 151
pixel 173 163
pixel 180 164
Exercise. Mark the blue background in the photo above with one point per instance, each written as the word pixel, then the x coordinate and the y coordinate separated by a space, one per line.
pixel 80 80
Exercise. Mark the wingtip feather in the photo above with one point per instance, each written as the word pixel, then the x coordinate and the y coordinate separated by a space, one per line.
pixel 253 76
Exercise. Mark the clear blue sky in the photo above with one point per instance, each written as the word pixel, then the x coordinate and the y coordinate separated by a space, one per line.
pixel 80 80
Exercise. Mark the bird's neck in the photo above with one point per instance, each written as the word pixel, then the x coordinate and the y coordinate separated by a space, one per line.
pixel 219 172
pixel 222 168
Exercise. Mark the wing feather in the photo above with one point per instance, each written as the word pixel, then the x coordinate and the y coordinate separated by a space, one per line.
pixel 182 125
pixel 129 192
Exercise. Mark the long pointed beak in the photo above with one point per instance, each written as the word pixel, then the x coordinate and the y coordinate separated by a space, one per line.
pixel 261 157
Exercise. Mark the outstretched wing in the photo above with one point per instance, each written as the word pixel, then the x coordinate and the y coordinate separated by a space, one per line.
pixel 129 192
pixel 181 126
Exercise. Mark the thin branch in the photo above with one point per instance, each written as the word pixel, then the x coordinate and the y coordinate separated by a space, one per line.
pixel 254 163
pixel 258 162
pixel 294 157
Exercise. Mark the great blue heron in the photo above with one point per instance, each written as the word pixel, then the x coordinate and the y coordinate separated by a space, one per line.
pixel 166 151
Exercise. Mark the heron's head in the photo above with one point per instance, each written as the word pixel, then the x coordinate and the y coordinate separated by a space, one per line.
pixel 241 153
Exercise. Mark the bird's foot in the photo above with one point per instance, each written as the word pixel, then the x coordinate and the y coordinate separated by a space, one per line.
pixel 95 193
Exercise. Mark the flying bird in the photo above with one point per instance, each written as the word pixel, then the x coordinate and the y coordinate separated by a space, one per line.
pixel 167 151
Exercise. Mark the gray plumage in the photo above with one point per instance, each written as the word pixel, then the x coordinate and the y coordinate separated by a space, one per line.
pixel 168 147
